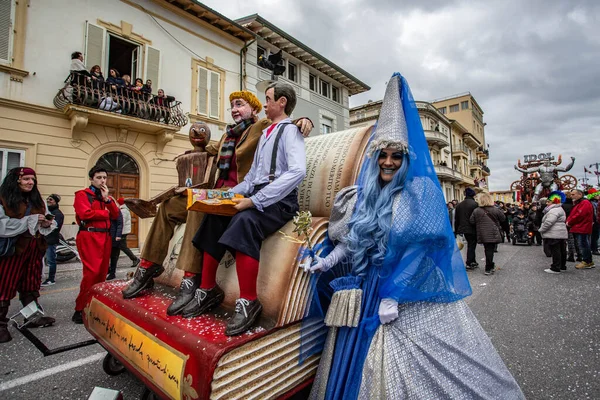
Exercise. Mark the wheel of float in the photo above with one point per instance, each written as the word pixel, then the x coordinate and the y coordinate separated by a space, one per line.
pixel 148 394
pixel 568 182
pixel 112 366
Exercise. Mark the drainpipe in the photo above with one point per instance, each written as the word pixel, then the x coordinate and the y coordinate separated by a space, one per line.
pixel 242 63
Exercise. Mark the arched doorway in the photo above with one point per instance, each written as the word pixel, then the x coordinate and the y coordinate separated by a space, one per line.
pixel 123 181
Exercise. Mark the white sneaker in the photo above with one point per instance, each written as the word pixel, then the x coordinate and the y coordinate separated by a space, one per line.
pixel 551 272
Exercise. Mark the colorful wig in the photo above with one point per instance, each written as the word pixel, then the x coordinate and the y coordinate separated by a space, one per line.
pixel 557 197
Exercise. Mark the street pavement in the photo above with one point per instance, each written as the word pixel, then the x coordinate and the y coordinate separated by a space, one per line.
pixel 545 327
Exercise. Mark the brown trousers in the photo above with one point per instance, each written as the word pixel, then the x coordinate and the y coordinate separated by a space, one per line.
pixel 171 213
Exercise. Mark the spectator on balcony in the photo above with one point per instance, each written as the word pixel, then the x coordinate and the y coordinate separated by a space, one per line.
pixel 97 77
pixel 79 74
pixel 127 81
pixel 77 64
pixel 148 88
pixel 109 103
pixel 138 86
pixel 114 79
pixel 163 103
pixel 96 73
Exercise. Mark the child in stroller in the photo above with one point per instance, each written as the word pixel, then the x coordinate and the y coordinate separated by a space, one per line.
pixel 521 229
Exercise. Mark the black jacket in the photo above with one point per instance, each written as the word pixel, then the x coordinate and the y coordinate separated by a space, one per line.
pixel 59 217
pixel 464 209
pixel 116 229
pixel 568 206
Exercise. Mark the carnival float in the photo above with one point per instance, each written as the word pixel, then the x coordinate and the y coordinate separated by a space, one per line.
pixel 540 176
pixel 180 358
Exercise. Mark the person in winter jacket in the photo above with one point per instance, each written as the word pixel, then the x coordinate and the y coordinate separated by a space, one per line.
pixel 572 248
pixel 592 196
pixel 463 225
pixel 126 231
pixel 116 234
pixel 554 231
pixel 53 238
pixel 487 220
pixel 535 220
pixel 580 222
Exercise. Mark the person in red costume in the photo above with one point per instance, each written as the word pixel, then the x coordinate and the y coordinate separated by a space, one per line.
pixel 94 209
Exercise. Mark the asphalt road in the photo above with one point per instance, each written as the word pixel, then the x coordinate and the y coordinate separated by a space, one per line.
pixel 545 327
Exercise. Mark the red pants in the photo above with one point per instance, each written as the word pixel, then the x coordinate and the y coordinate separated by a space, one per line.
pixel 94 250
pixel 22 272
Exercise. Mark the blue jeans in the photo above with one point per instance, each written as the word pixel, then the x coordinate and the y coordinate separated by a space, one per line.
pixel 51 260
pixel 583 242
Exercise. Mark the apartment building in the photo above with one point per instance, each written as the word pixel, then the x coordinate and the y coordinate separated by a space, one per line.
pixel 194 54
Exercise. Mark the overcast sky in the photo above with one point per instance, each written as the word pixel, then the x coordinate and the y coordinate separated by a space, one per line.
pixel 533 66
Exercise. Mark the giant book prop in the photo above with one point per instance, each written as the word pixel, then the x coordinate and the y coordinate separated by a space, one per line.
pixel 182 358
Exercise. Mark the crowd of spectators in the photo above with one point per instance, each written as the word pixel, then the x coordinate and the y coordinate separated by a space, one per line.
pixel 568 226
pixel 117 93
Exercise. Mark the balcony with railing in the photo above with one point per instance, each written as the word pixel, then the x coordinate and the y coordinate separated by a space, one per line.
pixel 460 150
pixel 85 100
pixel 438 138
pixel 483 153
pixel 471 140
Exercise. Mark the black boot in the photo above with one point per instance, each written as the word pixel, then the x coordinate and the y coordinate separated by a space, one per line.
pixel 246 312
pixel 203 301
pixel 187 290
pixel 4 333
pixel 143 279
pixel 571 258
pixel 77 317
pixel 44 320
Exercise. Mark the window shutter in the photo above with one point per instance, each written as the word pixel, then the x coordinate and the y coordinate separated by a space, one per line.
pixel 202 91
pixel 7 16
pixel 215 89
pixel 152 67
pixel 10 159
pixel 94 46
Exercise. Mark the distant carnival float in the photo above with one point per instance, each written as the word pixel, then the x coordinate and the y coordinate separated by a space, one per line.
pixel 540 177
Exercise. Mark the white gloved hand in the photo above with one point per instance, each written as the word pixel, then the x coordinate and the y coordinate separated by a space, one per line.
pixel 320 265
pixel 388 310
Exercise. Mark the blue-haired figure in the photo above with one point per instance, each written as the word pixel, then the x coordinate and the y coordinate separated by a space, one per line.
pixel 398 328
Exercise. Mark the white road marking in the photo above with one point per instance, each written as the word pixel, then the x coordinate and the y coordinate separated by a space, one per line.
pixel 50 371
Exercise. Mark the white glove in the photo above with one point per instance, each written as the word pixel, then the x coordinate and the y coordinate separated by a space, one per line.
pixel 388 310
pixel 320 265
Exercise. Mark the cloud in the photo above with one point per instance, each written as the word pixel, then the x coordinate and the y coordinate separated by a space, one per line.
pixel 532 66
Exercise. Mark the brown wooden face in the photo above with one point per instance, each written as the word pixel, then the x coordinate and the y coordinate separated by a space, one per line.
pixel 199 135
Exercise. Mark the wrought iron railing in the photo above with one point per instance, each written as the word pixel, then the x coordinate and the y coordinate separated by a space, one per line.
pixel 80 89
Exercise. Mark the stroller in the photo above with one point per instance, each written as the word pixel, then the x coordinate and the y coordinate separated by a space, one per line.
pixel 522 232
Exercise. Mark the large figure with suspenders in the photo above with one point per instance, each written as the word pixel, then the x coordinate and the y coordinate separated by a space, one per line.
pixel 238 158
pixel 94 209
pixel 271 190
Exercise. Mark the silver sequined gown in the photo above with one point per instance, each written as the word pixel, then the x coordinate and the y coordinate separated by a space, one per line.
pixel 432 350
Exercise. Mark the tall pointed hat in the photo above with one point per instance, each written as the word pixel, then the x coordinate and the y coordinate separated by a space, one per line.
pixel 391 128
